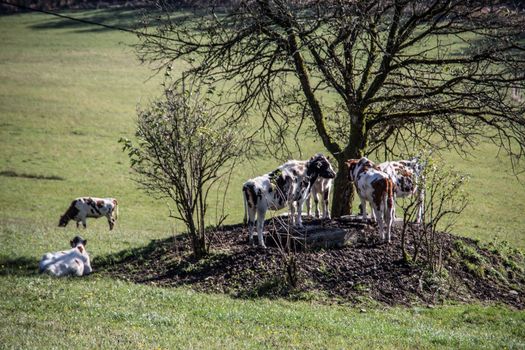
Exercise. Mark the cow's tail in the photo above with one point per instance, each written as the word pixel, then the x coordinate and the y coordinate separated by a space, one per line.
pixel 115 210
pixel 389 194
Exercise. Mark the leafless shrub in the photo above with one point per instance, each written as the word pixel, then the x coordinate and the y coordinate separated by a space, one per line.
pixel 183 149
pixel 444 199
pixel 287 247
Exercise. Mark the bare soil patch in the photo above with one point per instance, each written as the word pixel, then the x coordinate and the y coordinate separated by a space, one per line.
pixel 364 270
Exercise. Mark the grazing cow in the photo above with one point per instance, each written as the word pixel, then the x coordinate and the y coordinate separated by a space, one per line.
pixel 73 262
pixel 377 188
pixel 90 207
pixel 320 187
pixel 288 184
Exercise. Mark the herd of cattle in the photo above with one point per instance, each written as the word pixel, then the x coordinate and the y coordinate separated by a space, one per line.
pixel 295 182
pixel 291 184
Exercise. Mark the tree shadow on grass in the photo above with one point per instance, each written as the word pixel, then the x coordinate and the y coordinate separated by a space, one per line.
pixel 21 266
pixel 117 17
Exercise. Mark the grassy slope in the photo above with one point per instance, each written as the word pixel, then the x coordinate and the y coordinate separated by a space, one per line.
pixel 67 93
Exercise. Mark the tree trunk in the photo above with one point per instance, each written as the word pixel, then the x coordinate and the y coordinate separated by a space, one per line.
pixel 199 247
pixel 198 244
pixel 343 188
pixel 343 192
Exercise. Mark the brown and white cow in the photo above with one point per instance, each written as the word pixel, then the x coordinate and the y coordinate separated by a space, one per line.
pixel 321 187
pixel 72 262
pixel 90 207
pixel 406 174
pixel 288 185
pixel 375 187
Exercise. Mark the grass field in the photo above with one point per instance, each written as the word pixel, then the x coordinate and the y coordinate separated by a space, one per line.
pixel 68 91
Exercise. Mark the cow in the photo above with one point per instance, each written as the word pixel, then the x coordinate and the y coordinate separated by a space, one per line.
pixel 321 187
pixel 375 187
pixel 406 174
pixel 73 262
pixel 289 185
pixel 90 207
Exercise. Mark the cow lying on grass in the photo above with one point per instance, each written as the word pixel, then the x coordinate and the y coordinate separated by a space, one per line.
pixel 375 187
pixel 90 207
pixel 287 185
pixel 73 262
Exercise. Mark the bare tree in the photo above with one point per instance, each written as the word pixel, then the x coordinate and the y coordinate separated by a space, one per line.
pixel 365 76
pixel 183 148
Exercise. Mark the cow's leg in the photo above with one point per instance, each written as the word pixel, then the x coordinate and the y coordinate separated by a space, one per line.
pixel 308 199
pixel 389 216
pixel 363 208
pixel 326 195
pixel 291 206
pixel 393 209
pixel 260 225
pixel 78 224
pixel 379 217
pixel 251 223
pixel 299 221
pixel 316 203
pixel 421 207
pixel 84 223
pixel 111 222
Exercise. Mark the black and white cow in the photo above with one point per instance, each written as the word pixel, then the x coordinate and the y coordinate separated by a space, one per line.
pixel 90 207
pixel 72 262
pixel 288 185
pixel 321 187
pixel 375 187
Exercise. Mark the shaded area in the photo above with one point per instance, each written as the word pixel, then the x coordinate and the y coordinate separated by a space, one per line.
pixel 13 6
pixel 365 270
pixel 21 266
pixel 12 173
pixel 117 17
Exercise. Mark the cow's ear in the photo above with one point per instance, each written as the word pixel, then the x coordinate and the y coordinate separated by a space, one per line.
pixel 84 242
pixel 71 244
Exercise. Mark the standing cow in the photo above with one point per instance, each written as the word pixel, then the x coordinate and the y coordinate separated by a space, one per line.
pixel 406 175
pixel 375 187
pixel 287 185
pixel 321 187
pixel 73 262
pixel 90 207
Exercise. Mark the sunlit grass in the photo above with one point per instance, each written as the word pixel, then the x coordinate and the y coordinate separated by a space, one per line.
pixel 101 313
pixel 68 92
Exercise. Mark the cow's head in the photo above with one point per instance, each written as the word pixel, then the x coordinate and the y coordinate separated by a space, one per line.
pixel 352 165
pixel 319 165
pixel 64 219
pixel 70 214
pixel 405 183
pixel 75 242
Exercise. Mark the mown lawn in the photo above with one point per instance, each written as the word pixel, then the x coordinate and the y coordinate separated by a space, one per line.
pixel 68 91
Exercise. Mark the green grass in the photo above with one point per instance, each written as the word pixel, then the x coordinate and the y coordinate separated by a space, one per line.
pixel 68 92
pixel 101 313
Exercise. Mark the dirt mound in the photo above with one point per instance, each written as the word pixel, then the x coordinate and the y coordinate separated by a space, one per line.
pixel 363 270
